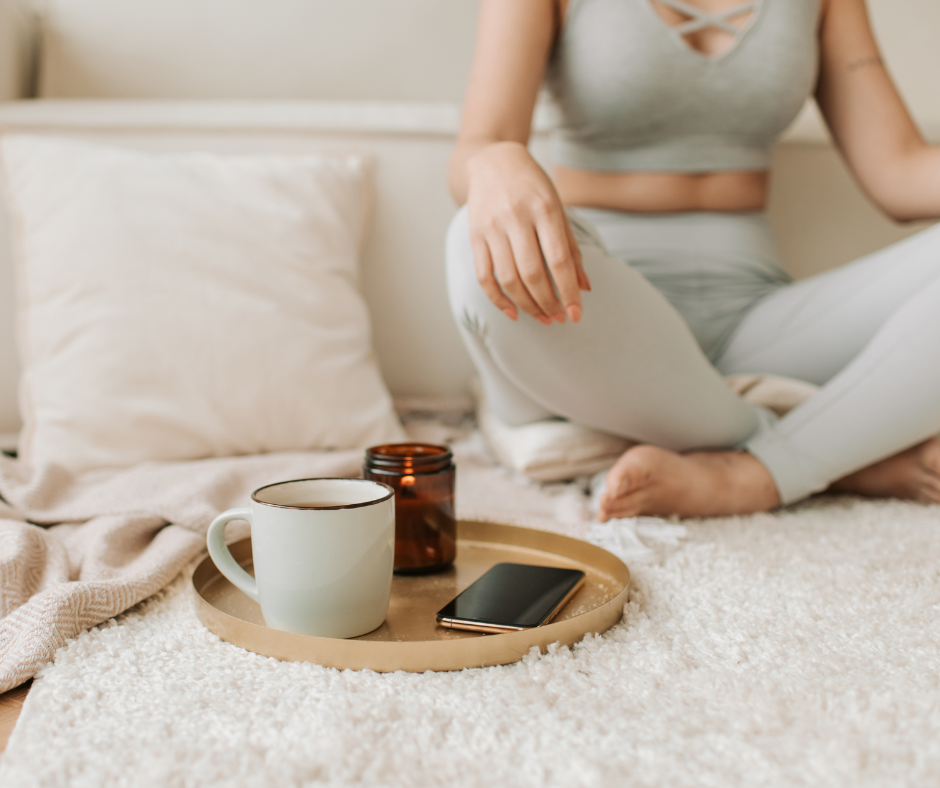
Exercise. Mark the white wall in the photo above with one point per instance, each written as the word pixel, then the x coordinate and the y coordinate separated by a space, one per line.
pixel 9 364
pixel 402 50
pixel 820 217
pixel 16 41
pixel 909 34
pixel 407 50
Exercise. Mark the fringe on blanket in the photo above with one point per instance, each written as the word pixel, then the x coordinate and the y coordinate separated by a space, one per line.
pixel 637 539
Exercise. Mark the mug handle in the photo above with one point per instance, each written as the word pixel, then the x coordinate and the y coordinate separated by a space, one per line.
pixel 218 550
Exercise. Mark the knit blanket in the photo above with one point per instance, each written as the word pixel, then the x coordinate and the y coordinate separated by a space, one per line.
pixel 79 550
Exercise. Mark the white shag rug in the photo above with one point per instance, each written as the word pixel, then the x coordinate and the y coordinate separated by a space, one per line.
pixel 801 648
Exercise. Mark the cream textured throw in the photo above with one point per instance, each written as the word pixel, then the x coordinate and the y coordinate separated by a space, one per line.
pixel 78 550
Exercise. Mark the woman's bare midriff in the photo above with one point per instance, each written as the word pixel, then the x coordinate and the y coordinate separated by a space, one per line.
pixel 662 192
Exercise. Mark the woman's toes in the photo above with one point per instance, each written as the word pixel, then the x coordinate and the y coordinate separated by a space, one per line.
pixel 632 505
pixel 929 488
pixel 913 474
pixel 632 471
pixel 930 456
pixel 618 479
pixel 626 482
pixel 655 481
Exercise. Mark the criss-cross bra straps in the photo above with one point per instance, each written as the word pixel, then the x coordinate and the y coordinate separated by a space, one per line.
pixel 699 19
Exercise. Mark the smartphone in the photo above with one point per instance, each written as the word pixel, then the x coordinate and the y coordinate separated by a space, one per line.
pixel 512 597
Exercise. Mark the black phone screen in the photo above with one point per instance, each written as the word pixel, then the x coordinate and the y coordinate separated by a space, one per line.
pixel 516 595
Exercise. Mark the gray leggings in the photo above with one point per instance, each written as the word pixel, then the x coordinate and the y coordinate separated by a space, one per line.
pixel 678 301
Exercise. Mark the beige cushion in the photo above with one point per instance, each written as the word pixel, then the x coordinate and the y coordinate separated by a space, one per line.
pixel 179 306
pixel 415 338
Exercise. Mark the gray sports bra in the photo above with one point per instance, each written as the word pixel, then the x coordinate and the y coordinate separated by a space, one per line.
pixel 633 95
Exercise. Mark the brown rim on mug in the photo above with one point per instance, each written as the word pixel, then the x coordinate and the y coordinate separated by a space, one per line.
pixel 389 493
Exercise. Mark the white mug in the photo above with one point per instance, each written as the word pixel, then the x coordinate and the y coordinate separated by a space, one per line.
pixel 323 554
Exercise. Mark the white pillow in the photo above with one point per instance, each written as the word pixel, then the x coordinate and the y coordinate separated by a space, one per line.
pixel 180 306
pixel 546 451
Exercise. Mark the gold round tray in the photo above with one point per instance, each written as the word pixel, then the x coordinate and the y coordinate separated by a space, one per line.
pixel 410 638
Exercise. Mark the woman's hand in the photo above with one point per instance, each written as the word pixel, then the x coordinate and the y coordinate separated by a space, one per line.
pixel 523 250
pixel 522 242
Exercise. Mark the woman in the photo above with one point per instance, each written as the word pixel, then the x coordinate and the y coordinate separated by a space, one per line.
pixel 623 310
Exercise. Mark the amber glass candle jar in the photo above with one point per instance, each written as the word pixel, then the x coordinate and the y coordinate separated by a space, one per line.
pixel 422 476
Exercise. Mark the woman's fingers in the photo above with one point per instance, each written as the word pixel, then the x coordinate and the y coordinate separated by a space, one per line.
pixel 510 279
pixel 551 224
pixel 483 264
pixel 583 282
pixel 538 267
pixel 531 255
pixel 533 273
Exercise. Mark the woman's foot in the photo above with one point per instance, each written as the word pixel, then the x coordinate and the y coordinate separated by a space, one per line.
pixel 913 474
pixel 650 480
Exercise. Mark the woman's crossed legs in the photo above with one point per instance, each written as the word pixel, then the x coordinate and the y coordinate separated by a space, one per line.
pixel 869 332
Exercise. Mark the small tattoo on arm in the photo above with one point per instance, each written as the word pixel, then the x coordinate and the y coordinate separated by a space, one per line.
pixel 872 60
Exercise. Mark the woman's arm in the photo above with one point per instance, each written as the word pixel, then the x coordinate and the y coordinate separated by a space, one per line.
pixel 869 121
pixel 512 47
pixel 518 227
